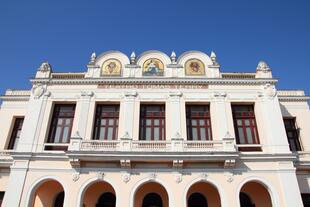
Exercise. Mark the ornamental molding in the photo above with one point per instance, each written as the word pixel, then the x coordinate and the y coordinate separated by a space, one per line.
pixel 152 176
pixel 269 91
pixel 126 177
pixel 229 177
pixel 38 90
pixel 75 176
pixel 100 175
pixel 204 176
pixel 178 177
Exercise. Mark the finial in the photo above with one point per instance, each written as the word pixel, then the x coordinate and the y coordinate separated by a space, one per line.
pixel 133 58
pixel 173 57
pixel 262 66
pixel 93 57
pixel 213 58
pixel 45 66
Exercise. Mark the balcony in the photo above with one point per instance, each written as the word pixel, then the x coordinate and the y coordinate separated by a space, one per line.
pixel 129 145
pixel 176 150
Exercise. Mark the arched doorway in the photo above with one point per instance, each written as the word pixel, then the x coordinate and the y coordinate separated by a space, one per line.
pixel 152 200
pixel 99 194
pixel 151 194
pixel 106 200
pixel 254 194
pixel 59 200
pixel 245 200
pixel 197 200
pixel 49 194
pixel 203 194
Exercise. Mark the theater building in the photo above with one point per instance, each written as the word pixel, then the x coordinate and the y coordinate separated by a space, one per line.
pixel 154 131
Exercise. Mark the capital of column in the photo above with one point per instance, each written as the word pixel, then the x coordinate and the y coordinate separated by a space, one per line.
pixel 86 94
pixel 175 95
pixel 130 94
pixel 219 95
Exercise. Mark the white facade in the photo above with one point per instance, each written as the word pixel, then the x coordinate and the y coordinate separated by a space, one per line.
pixel 174 165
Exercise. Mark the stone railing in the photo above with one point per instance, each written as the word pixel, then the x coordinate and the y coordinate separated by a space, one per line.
pixel 291 93
pixel 238 75
pixel 68 75
pixel 129 145
pixel 18 92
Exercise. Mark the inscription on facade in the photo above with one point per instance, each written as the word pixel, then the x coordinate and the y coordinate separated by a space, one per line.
pixel 153 86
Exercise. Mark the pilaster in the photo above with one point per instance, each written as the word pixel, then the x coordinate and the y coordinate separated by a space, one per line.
pixel 219 115
pixel 128 107
pixel 33 119
pixel 15 186
pixel 272 119
pixel 173 111
pixel 84 104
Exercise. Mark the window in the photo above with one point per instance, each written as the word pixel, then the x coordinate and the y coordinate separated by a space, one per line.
pixel 292 133
pixel 245 126
pixel 106 122
pixel 152 122
pixel 17 128
pixel 1 197
pixel 62 122
pixel 198 122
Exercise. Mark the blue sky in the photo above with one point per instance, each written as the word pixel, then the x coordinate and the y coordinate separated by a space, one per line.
pixel 241 32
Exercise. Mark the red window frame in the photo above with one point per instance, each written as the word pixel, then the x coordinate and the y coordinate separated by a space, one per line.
pixel 292 133
pixel 65 116
pixel 106 120
pixel 151 119
pixel 198 120
pixel 18 124
pixel 244 118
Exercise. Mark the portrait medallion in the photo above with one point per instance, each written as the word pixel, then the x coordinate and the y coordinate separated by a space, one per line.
pixel 111 67
pixel 194 67
pixel 153 67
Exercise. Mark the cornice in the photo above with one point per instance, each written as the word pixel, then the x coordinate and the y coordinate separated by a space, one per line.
pixel 146 80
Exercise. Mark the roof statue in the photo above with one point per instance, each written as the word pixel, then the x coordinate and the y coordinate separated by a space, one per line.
pixel 213 58
pixel 133 58
pixel 45 66
pixel 262 65
pixel 93 58
pixel 173 57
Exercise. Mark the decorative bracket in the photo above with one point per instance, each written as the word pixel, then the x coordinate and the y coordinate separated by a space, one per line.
pixel 177 164
pixel 125 163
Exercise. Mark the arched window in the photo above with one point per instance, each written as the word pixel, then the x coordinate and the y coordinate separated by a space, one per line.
pixel 152 200
pixel 59 200
pixel 106 200
pixel 197 200
pixel 245 200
